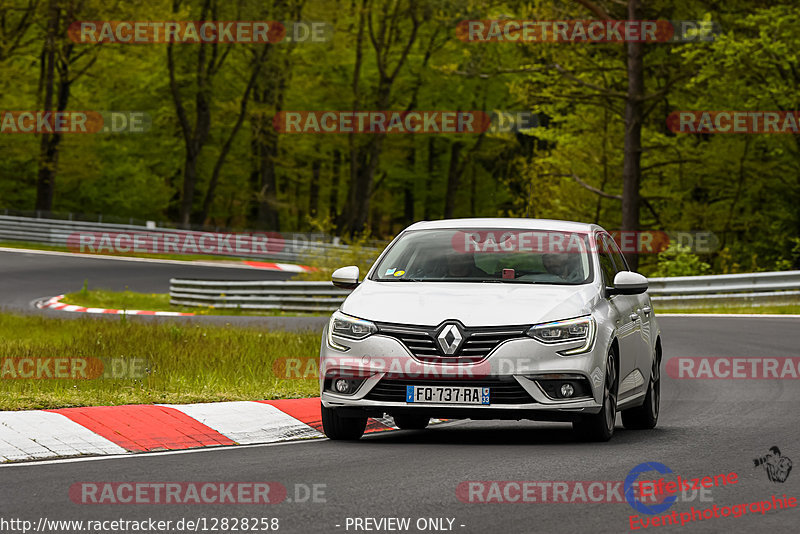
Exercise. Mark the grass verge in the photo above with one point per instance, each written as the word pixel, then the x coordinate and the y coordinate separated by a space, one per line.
pixel 789 309
pixel 129 300
pixel 182 363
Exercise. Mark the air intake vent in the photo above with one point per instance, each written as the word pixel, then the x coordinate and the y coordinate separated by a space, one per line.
pixel 478 342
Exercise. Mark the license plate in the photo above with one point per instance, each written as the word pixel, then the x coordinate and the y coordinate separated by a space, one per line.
pixel 447 395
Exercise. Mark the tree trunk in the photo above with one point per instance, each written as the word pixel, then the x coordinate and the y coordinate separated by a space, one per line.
pixel 298 194
pixel 45 181
pixel 472 192
pixel 264 150
pixel 194 135
pixel 408 203
pixel 453 179
pixel 408 187
pixel 428 208
pixel 333 198
pixel 631 167
pixel 313 193
pixel 364 159
pixel 258 60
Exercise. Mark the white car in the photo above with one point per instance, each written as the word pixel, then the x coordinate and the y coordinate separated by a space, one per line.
pixel 493 319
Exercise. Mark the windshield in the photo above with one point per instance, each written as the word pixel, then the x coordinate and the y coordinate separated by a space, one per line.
pixel 480 255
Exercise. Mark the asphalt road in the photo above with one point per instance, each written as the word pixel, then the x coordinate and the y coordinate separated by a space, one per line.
pixel 706 428
pixel 27 276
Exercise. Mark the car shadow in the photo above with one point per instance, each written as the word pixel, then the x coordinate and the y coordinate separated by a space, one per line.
pixel 503 434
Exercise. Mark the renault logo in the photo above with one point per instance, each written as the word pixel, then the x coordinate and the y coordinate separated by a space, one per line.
pixel 450 339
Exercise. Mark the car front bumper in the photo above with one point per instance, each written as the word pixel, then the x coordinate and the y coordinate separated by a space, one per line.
pixel 514 370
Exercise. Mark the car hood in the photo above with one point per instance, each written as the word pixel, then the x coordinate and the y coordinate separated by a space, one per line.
pixel 474 304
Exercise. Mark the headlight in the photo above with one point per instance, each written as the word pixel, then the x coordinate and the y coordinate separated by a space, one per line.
pixel 580 329
pixel 348 327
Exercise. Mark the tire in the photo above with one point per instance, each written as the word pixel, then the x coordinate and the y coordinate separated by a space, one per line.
pixel 337 427
pixel 645 417
pixel 600 426
pixel 411 422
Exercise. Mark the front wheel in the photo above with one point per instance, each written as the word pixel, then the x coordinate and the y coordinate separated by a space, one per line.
pixel 600 426
pixel 337 427
pixel 645 417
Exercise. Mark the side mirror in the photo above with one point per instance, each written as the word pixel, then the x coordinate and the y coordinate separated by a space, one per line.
pixel 345 277
pixel 628 283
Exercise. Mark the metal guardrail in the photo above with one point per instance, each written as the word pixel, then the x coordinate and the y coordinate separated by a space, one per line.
pixel 682 292
pixel 745 289
pixel 725 283
pixel 294 247
pixel 261 295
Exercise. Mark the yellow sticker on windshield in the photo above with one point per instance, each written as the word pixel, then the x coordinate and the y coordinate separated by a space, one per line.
pixel 399 273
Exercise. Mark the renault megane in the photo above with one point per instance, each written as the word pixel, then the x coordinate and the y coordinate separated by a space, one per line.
pixel 493 319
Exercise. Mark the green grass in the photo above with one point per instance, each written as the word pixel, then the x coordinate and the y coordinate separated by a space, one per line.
pixel 129 300
pixel 184 363
pixel 789 309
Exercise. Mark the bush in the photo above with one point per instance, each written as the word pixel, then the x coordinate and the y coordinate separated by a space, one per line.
pixel 356 250
pixel 678 260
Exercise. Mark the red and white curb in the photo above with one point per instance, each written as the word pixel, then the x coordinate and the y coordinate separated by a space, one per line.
pixel 286 267
pixel 231 264
pixel 55 303
pixel 107 430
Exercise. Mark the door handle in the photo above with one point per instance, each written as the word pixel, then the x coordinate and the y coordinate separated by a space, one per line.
pixel 647 310
pixel 634 316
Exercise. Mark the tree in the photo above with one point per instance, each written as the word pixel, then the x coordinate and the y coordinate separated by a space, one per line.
pixel 398 22
pixel 61 66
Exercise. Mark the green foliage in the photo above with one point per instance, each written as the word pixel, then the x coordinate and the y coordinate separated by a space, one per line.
pixel 794 262
pixel 359 250
pixel 678 260
pixel 743 188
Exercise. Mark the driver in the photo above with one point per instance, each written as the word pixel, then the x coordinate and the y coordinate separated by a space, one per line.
pixel 564 265
pixel 461 265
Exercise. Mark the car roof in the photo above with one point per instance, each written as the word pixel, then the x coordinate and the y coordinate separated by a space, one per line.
pixel 506 222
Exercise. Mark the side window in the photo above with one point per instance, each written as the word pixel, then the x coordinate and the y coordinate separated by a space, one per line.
pixel 606 261
pixel 619 259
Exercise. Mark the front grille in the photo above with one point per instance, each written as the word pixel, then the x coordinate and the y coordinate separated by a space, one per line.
pixel 477 344
pixel 506 391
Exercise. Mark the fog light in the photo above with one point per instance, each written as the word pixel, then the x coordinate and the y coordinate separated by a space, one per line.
pixel 342 385
pixel 567 390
